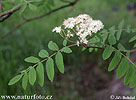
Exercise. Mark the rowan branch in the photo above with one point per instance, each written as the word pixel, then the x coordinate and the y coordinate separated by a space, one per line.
pixel 125 51
pixel 38 17
pixel 7 14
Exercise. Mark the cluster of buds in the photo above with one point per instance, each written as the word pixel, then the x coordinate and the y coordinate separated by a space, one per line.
pixel 81 26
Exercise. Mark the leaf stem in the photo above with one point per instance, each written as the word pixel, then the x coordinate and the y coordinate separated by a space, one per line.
pixel 49 57
pixel 125 57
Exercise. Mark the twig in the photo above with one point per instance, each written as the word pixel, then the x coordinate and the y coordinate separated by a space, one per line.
pixel 125 51
pixel 7 14
pixel 22 72
pixel 38 17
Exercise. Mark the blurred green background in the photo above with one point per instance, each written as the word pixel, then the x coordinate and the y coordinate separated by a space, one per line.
pixel 80 81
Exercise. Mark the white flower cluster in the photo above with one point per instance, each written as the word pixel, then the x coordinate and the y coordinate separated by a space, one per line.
pixel 83 26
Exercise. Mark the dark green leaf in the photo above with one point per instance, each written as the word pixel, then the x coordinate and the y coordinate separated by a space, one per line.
pixel 107 52
pixel 118 35
pixel 121 25
pixel 83 49
pixel 128 29
pixel 129 75
pixel 25 81
pixel 32 59
pixel 121 47
pixel 112 30
pixel 99 37
pixel 104 37
pixel 134 30
pixel 59 62
pixel 128 54
pixel 115 61
pixel 43 54
pixel 91 49
pixel 32 7
pixel 132 39
pixel 123 67
pixel 134 45
pixel 15 79
pixel 23 8
pixel 133 82
pixel 32 76
pixel 67 50
pixel 40 74
pixel 53 46
pixel 50 69
pixel 112 39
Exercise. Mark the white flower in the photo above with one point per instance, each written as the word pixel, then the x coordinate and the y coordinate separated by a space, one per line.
pixel 69 35
pixel 77 43
pixel 57 29
pixel 95 26
pixel 69 23
pixel 82 26
pixel 85 41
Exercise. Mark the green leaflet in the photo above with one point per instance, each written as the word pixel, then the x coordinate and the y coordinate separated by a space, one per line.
pixel 99 37
pixel 25 81
pixel 15 79
pixel 121 25
pixel 119 34
pixel 43 54
pixel 129 75
pixel 32 76
pixel 107 52
pixel 135 45
pixel 64 43
pixel 59 62
pixel 132 39
pixel 40 74
pixel 121 47
pixel 133 82
pixel 115 61
pixel 50 69
pixel 53 46
pixel 112 39
pixel 67 50
pixel 83 49
pixel 104 37
pixel 123 67
pixel 91 49
pixel 112 30
pixel 128 54
pixel 32 7
pixel 23 8
pixel 32 59
pixel 134 30
pixel 128 29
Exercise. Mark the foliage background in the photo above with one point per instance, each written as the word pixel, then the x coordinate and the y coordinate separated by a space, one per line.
pixel 76 83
